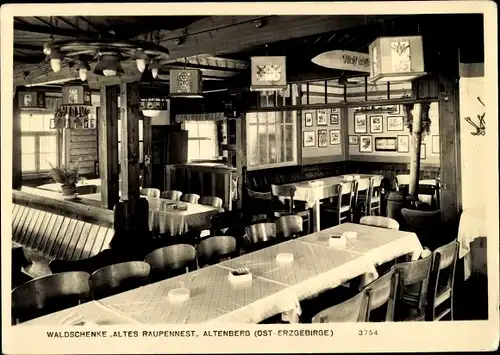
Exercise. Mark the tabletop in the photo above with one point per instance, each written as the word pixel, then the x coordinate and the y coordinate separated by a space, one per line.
pixel 57 186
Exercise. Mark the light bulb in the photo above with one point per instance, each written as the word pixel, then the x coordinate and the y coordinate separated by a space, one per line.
pixel 46 50
pixel 154 72
pixel 55 63
pixel 83 74
pixel 141 64
pixel 109 72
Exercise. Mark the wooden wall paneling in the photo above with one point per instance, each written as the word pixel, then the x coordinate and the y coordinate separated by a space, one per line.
pixel 16 144
pixel 108 141
pixel 146 149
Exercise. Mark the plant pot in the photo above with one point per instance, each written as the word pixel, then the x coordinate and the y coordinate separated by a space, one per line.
pixel 68 191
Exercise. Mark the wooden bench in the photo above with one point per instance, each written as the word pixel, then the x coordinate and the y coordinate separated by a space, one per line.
pixel 46 236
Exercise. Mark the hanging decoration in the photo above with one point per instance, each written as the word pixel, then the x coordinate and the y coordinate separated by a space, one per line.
pixel 153 93
pixel 31 100
pixel 75 111
pixel 395 59
pixel 186 83
pixel 268 73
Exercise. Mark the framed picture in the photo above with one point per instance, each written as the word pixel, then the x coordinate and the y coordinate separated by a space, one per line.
pixel 353 140
pixel 366 144
pixel 376 124
pixel 334 118
pixel 322 138
pixel 359 123
pixel 322 121
pixel 423 153
pixel 435 144
pixel 334 137
pixel 335 110
pixel 388 144
pixel 395 123
pixel 309 139
pixel 308 119
pixel 403 144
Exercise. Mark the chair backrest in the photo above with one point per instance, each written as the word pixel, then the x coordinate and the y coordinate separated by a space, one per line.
pixel 379 221
pixel 150 192
pixel 414 279
pixel 191 198
pixel 383 291
pixel 49 294
pixel 213 249
pixel 86 189
pixel 375 186
pixel 261 232
pixel 89 265
pixel 289 226
pixel 117 278
pixel 171 260
pixel 233 220
pixel 172 194
pixel 361 185
pixel 352 310
pixel 213 201
pixel 402 180
pixel 426 224
pixel 345 193
pixel 283 196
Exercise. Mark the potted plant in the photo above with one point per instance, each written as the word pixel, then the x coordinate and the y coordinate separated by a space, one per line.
pixel 67 176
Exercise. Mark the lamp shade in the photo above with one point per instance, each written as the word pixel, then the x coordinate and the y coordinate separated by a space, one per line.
pixel 268 73
pixel 31 99
pixel 186 83
pixel 76 95
pixel 396 59
pixel 108 63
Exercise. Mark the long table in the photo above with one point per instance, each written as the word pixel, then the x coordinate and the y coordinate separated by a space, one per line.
pixel 56 187
pixel 275 287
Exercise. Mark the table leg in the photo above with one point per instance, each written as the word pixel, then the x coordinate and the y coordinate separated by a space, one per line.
pixel 316 217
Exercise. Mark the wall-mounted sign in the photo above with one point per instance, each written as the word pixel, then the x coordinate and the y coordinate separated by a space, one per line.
pixel 268 73
pixel 344 60
pixel 76 95
pixel 31 99
pixel 186 83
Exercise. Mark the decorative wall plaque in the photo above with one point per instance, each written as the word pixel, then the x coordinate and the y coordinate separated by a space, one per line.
pixel 268 73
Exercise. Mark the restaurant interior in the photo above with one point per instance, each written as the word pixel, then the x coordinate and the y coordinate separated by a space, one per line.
pixel 248 169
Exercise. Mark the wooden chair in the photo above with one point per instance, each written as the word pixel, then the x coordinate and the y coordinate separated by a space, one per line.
pixel 49 294
pixel 289 226
pixel 213 250
pixel 213 201
pixel 150 192
pixel 286 193
pixel 352 310
pixel 402 182
pixel 427 225
pixel 171 261
pixel 382 292
pixel 373 202
pixel 412 290
pixel 89 265
pixel 360 198
pixel 257 203
pixel 117 278
pixel 190 198
pixel 379 221
pixel 342 205
pixel 259 235
pixel 429 192
pixel 441 282
pixel 172 194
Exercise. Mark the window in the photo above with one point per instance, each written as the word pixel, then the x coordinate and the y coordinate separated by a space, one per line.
pixel 271 139
pixel 202 140
pixel 141 141
pixel 39 148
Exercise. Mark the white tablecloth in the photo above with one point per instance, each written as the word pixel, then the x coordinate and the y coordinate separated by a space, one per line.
pixel 472 225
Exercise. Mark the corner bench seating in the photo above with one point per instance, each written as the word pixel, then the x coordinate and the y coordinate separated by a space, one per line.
pixel 46 236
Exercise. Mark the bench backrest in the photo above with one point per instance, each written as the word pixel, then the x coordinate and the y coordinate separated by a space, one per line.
pixel 56 236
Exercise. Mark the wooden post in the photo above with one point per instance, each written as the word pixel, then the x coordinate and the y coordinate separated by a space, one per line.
pixel 129 163
pixel 16 144
pixel 146 149
pixel 413 111
pixel 108 146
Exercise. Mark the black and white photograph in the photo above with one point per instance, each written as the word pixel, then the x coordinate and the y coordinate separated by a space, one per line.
pixel 161 193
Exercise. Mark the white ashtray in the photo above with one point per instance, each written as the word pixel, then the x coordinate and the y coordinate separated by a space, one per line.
pixel 316 183
pixel 240 275
pixel 178 295
pixel 337 241
pixel 284 257
pixel 350 235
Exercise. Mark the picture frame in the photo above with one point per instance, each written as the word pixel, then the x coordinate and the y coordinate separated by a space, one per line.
pixel 335 110
pixel 308 119
pixel 423 153
pixel 360 123
pixel 353 140
pixel 376 124
pixel 309 139
pixel 403 144
pixel 322 138
pixel 334 119
pixel 335 137
pixel 386 144
pixel 395 123
pixel 321 118
pixel 366 144
pixel 435 144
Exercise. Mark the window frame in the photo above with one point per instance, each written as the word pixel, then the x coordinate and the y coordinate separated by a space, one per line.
pixel 201 138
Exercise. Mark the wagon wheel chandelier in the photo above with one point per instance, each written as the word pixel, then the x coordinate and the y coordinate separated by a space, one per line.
pixel 107 53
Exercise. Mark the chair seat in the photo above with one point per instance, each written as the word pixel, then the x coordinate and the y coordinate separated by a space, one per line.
pixel 330 208
pixel 443 293
pixel 281 213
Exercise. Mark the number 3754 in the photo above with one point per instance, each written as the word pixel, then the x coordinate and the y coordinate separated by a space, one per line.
pixel 365 332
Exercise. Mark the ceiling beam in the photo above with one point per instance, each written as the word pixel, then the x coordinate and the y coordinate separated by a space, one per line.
pixel 203 67
pixel 54 30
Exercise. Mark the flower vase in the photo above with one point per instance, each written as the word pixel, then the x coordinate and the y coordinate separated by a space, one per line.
pixel 68 192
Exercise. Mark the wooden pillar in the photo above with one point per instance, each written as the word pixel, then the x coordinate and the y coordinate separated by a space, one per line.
pixel 416 140
pixel 129 163
pixel 16 144
pixel 147 151
pixel 108 146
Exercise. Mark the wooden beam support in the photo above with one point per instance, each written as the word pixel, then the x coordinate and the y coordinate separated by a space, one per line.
pixel 16 144
pixel 416 141
pixel 146 148
pixel 108 146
